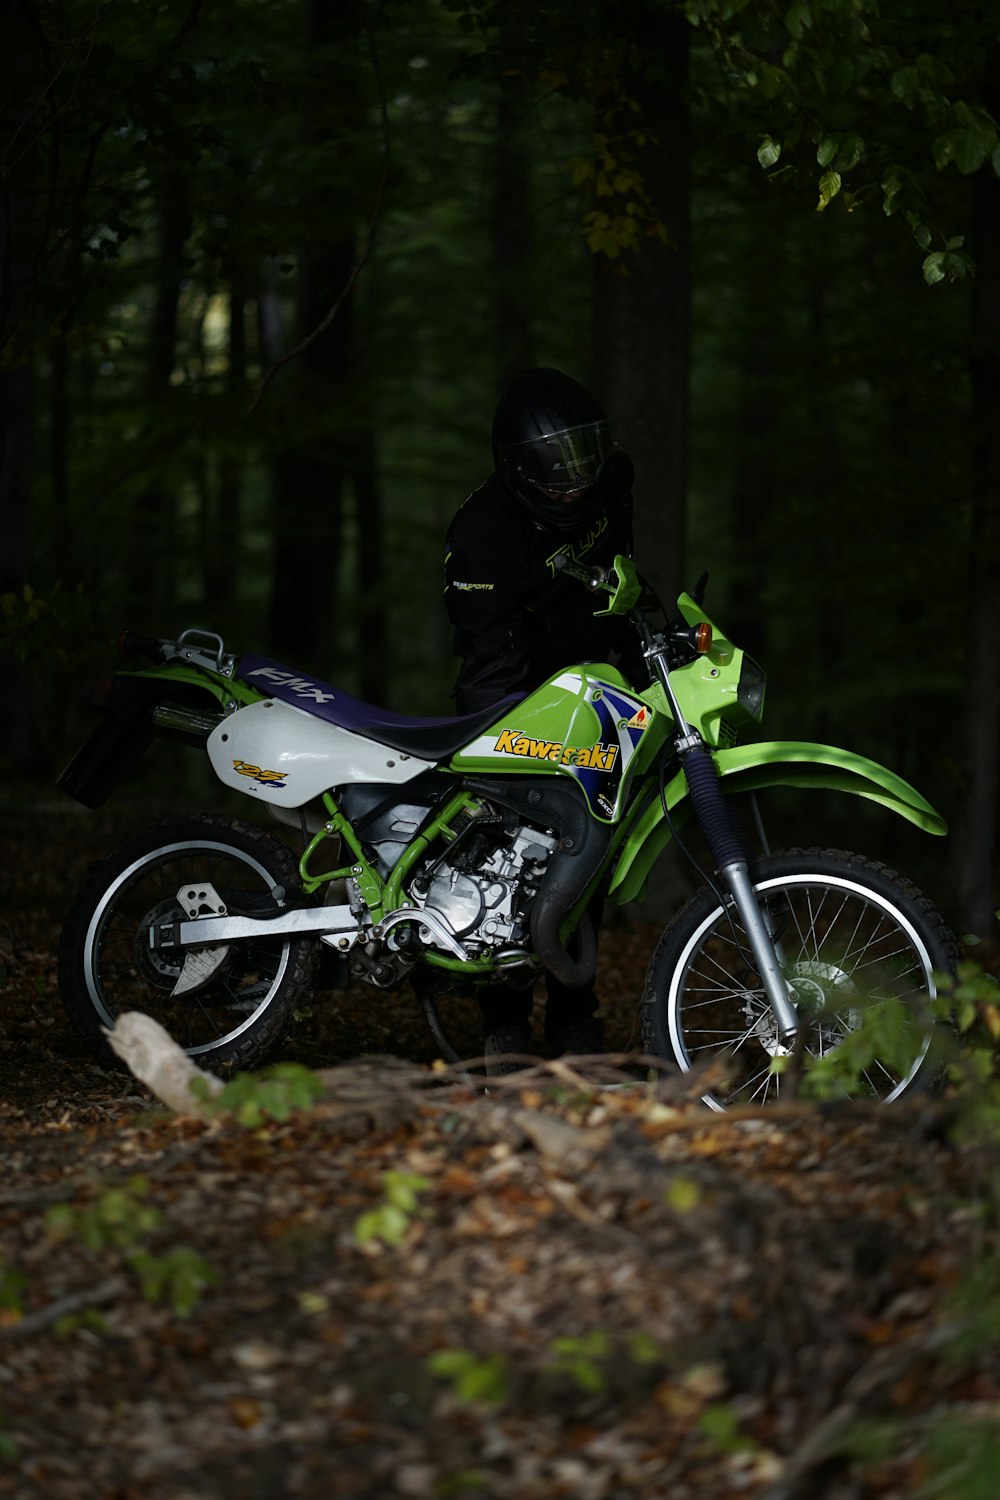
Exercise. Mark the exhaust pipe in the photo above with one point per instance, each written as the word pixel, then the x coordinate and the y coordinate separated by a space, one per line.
pixel 547 913
pixel 185 720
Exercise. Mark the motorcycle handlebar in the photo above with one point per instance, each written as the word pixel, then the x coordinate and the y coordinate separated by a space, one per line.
pixel 594 577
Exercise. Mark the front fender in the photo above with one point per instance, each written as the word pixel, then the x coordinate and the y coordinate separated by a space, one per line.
pixel 747 768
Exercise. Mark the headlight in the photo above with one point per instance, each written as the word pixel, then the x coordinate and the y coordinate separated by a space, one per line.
pixel 750 693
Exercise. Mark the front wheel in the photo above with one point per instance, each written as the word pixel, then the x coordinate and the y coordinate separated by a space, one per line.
pixel 245 991
pixel 859 947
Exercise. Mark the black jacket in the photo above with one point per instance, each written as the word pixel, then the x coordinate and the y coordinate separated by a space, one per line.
pixel 517 621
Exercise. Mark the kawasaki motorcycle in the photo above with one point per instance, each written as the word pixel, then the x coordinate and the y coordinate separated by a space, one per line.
pixel 469 849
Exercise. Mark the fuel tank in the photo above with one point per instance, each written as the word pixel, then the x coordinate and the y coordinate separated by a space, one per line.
pixel 585 723
pixel 287 756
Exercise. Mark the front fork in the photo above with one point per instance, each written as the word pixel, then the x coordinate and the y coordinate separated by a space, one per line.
pixel 729 853
pixel 737 881
pixel 730 858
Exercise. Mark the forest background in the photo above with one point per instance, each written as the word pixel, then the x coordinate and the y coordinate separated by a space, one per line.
pixel 265 267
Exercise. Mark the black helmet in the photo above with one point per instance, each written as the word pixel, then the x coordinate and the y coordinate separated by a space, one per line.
pixel 549 439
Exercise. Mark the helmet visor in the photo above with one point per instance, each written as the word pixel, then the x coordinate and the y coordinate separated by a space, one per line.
pixel 560 463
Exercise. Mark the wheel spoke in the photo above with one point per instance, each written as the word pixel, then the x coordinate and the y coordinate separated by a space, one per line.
pixel 126 973
pixel 843 943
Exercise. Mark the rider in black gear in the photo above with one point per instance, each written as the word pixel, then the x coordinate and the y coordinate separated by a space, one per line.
pixel 560 486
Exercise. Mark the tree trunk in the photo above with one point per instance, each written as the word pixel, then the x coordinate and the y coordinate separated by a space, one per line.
pixel 151 577
pixel 642 317
pixel 974 856
pixel 332 445
pixel 221 569
pixel 373 684
pixel 308 480
pixel 17 398
pixel 511 211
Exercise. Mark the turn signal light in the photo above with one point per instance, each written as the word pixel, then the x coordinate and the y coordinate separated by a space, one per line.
pixel 703 637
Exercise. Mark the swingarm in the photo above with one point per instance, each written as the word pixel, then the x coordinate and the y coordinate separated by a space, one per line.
pixel 336 925
pixel 208 923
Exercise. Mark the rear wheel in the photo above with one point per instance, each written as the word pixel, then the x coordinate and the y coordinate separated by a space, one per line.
pixel 857 944
pixel 234 1000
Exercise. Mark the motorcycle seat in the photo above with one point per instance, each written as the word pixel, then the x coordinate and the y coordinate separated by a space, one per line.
pixel 430 739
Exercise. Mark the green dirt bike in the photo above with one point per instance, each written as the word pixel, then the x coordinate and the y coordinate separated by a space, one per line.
pixel 467 850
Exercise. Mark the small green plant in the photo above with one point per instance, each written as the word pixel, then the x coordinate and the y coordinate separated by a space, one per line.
pixel 117 1219
pixel 970 1000
pixel 462 1482
pixel 642 1349
pixel 178 1277
pixel 120 1220
pixel 8 1447
pixel 251 1099
pixel 682 1194
pixel 968 1003
pixel 721 1426
pixel 964 1457
pixel 87 1317
pixel 473 1379
pixel 580 1359
pixel 12 1286
pixel 390 1220
pixel 881 1027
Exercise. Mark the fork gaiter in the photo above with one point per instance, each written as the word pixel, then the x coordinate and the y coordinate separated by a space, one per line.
pixel 713 814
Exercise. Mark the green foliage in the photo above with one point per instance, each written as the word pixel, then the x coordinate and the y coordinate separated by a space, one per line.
pixel 251 1099
pixel 975 1304
pixel 971 999
pixel 8 1447
pixel 60 627
pixel 642 1349
pixel 959 1453
pixel 472 1378
pixel 878 1027
pixel 585 1360
pixel 720 1424
pixel 625 213
pixel 683 1194
pixel 179 1277
pixel 390 1221
pixel 886 1027
pixel 968 1003
pixel 964 1457
pixel 120 1220
pixel 12 1287
pixel 461 1483
pixel 839 77
pixel 580 1360
pixel 116 1219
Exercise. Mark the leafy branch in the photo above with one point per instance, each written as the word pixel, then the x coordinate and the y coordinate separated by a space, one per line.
pixel 120 1220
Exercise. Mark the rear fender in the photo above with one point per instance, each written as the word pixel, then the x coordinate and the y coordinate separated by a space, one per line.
pixel 747 768
pixel 126 727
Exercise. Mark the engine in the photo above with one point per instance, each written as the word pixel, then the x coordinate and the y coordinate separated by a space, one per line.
pixel 474 896
pixel 482 891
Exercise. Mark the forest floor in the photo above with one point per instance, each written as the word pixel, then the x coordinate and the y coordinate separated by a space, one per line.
pixel 416 1289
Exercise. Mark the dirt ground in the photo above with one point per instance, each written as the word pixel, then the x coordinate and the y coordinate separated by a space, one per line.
pixel 412 1288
